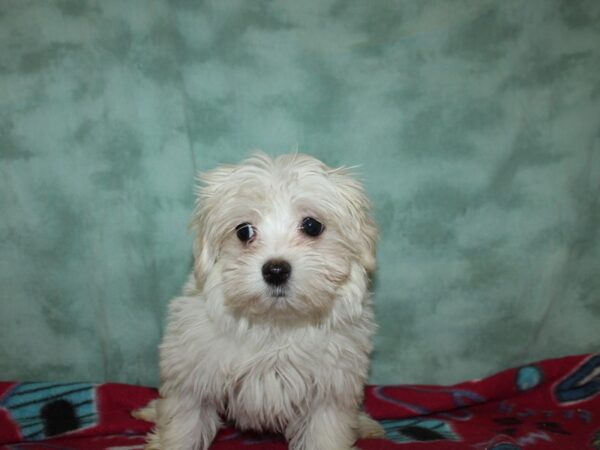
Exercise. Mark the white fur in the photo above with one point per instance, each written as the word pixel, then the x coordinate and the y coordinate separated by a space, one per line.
pixel 294 364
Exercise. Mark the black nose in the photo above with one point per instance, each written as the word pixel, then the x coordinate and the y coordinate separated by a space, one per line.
pixel 276 272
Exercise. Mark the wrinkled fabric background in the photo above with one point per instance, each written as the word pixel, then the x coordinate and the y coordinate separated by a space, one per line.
pixel 475 123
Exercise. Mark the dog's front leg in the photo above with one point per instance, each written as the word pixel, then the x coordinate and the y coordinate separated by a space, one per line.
pixel 327 427
pixel 183 424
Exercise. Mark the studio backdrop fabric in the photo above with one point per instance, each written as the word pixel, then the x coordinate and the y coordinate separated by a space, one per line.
pixel 474 124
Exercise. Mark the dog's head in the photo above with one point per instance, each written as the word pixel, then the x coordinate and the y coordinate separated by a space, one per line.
pixel 281 236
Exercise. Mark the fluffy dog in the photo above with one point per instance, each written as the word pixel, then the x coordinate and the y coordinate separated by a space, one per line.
pixel 273 331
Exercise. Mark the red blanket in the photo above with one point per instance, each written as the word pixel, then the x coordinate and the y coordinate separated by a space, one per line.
pixel 552 404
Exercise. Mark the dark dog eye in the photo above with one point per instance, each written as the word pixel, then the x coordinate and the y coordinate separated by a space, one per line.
pixel 244 232
pixel 311 226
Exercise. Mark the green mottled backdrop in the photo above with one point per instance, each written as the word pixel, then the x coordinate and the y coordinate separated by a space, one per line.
pixel 476 124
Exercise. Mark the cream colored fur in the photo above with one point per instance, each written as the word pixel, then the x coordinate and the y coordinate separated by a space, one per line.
pixel 234 348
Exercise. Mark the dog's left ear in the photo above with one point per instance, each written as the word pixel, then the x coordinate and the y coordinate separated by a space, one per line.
pixel 362 228
pixel 204 219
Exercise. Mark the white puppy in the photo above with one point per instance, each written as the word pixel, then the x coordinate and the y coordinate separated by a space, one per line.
pixel 273 331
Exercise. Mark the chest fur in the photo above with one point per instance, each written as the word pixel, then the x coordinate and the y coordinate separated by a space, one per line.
pixel 268 392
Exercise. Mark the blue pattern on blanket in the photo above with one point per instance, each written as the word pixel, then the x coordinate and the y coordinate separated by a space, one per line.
pixel 49 409
pixel 418 430
pixel 582 384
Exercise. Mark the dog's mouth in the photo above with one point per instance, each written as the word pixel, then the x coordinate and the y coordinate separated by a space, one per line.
pixel 279 292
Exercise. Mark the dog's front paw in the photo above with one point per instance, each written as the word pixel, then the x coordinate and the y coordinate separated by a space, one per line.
pixel 182 424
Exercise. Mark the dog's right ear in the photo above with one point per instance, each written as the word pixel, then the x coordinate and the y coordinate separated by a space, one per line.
pixel 206 240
